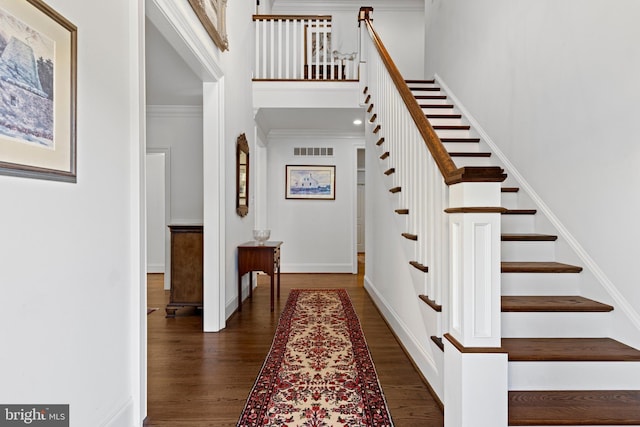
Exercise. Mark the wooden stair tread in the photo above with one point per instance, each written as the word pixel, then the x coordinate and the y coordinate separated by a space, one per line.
pixel 451 127
pixel 395 190
pixel 528 237
pixel 431 303
pixel 538 267
pixel 510 189
pixel 438 341
pixel 444 116
pixel 520 212
pixel 443 106
pixel 431 96
pixel 583 407
pixel 469 154
pixel 390 171
pixel 421 267
pixel 452 140
pixel 402 211
pixel 568 349
pixel 552 303
pixel 410 236
pixel 410 81
pixel 430 89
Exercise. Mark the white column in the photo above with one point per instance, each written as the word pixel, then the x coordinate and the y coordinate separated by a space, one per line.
pixel 476 385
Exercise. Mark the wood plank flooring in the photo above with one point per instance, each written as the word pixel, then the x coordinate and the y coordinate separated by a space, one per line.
pixel 203 380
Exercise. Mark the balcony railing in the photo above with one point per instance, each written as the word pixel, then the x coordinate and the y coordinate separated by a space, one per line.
pixel 300 47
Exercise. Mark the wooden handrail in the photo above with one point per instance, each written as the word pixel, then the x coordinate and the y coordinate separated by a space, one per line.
pixel 292 17
pixel 450 172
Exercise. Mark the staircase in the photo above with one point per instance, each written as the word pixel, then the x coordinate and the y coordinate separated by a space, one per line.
pixel 563 369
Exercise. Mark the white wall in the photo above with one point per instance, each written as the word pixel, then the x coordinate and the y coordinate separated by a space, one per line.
pixel 238 119
pixel 156 212
pixel 555 85
pixel 179 129
pixel 70 253
pixel 318 235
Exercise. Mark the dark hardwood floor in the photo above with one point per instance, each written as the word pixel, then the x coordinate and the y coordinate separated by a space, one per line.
pixel 203 380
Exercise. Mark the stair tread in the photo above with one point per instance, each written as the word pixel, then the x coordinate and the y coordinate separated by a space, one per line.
pixel 510 189
pixel 469 154
pixel 431 96
pixel 451 127
pixel 538 267
pixel 583 407
pixel 409 81
pixel 553 303
pixel 435 306
pixel 444 116
pixel 445 140
pixel 520 212
pixel 568 349
pixel 436 106
pixel 528 237
pixel 418 89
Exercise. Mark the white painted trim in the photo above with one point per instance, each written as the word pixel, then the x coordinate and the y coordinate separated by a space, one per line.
pixel 122 415
pixel 423 360
pixel 135 408
pixel 310 135
pixel 155 268
pixel 340 5
pixel 164 111
pixel 187 221
pixel 178 23
pixel 166 268
pixel 354 206
pixel 588 262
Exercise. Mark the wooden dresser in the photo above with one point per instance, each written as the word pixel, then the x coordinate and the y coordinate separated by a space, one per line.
pixel 186 267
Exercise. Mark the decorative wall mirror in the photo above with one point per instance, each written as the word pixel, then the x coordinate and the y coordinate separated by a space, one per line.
pixel 242 175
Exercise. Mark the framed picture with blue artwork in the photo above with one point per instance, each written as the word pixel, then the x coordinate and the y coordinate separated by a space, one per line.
pixel 38 59
pixel 310 182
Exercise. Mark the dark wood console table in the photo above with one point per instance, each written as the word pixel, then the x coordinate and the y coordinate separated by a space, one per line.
pixel 186 268
pixel 255 257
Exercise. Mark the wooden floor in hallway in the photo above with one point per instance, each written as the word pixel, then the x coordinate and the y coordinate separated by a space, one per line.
pixel 200 379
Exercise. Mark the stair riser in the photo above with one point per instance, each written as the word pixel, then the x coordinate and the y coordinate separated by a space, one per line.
pixel 510 200
pixel 555 325
pixel 434 101
pixel 453 133
pixel 436 110
pixel 530 251
pixel 574 375
pixel 473 161
pixel 427 92
pixel 517 223
pixel 444 122
pixel 540 284
pixel 462 147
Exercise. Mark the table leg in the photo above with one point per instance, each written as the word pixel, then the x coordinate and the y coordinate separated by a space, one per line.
pixel 278 282
pixel 251 284
pixel 272 292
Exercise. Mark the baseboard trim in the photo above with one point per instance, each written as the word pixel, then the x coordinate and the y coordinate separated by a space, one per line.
pixel 421 360
pixel 120 416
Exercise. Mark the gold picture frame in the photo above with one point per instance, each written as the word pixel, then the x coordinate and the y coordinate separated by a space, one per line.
pixel 213 14
pixel 38 83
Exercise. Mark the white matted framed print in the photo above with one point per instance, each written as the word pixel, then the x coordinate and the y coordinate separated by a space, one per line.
pixel 310 182
pixel 38 59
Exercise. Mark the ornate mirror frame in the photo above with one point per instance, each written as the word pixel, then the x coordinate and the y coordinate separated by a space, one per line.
pixel 242 175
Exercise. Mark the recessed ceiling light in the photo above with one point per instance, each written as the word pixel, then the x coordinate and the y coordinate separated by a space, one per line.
pixel 357 122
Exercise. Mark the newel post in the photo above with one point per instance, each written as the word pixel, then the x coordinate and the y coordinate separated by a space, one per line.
pixel 475 368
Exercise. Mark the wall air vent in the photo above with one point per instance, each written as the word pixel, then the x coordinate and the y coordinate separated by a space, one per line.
pixel 313 151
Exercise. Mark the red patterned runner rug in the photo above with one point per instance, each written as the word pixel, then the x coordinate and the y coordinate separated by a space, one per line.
pixel 319 372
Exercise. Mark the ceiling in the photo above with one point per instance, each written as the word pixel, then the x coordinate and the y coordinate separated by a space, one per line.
pixel 170 81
